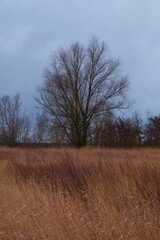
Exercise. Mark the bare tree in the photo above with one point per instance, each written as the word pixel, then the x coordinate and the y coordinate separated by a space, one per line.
pixel 103 131
pixel 152 131
pixel 57 134
pixel 14 126
pixel 128 131
pixel 40 128
pixel 81 85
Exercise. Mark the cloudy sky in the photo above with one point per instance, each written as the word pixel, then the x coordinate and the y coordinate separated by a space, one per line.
pixel 31 29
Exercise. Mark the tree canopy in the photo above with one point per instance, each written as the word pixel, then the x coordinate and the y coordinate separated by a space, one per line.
pixel 81 85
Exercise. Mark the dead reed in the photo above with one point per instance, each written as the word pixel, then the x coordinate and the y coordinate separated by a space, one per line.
pixel 80 194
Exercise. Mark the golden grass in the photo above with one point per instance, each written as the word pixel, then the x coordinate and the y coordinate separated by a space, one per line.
pixel 80 194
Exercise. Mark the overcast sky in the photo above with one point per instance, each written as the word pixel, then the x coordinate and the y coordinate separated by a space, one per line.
pixel 31 29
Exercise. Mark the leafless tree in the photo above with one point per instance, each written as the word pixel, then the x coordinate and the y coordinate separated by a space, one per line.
pixel 100 127
pixel 82 84
pixel 40 129
pixel 14 126
pixel 152 131
pixel 57 134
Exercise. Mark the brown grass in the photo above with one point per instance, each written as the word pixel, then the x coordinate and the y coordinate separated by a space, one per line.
pixel 80 194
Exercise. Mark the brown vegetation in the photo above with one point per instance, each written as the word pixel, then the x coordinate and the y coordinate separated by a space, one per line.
pixel 79 194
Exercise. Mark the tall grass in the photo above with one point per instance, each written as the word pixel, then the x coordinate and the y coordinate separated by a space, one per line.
pixel 80 194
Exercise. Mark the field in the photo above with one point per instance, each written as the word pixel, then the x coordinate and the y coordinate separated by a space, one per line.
pixel 64 194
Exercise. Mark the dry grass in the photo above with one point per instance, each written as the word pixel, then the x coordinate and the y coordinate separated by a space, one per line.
pixel 85 194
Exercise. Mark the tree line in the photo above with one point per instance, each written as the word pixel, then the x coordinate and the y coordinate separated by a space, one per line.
pixel 82 91
pixel 18 129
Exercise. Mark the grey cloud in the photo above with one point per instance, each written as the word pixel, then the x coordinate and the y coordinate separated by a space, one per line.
pixel 30 30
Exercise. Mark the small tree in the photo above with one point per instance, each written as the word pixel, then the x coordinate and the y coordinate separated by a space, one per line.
pixel 138 129
pixel 57 134
pixel 82 84
pixel 14 126
pixel 108 133
pixel 152 131
pixel 40 128
pixel 125 133
pixel 122 132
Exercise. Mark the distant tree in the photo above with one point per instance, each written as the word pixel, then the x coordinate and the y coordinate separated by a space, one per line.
pixel 123 132
pixel 57 134
pixel 129 131
pixel 152 131
pixel 40 128
pixel 14 126
pixel 81 85
pixel 138 129
pixel 100 132
pixel 108 132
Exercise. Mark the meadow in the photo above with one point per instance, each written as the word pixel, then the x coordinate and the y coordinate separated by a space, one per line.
pixel 70 194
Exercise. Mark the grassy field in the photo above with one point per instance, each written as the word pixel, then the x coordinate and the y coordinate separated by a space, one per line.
pixel 79 194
